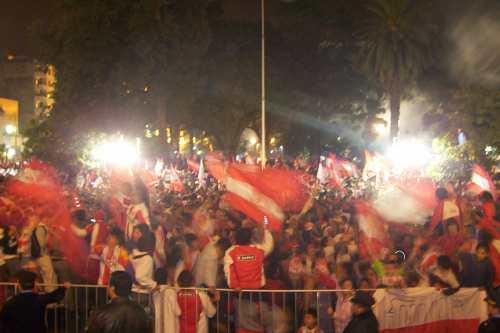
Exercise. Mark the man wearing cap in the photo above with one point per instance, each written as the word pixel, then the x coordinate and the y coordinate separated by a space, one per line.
pixel 363 320
pixel 492 325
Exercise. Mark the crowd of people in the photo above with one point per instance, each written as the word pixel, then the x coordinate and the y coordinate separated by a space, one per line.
pixel 185 235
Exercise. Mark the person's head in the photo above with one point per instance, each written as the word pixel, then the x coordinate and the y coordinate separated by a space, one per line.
pixel 311 319
pixel 221 246
pixel 26 280
pixel 482 252
pixel 441 193
pixel 115 238
pixel 243 236
pixel 310 250
pixel 185 279
pixel 347 284
pixel 79 216
pixel 371 274
pixel 452 226
pixel 192 241
pixel 146 243
pixel 120 284
pixel 139 231
pixel 486 196
pixel 444 262
pixel 364 283
pixel 362 302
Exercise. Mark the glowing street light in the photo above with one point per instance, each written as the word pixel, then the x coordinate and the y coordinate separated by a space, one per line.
pixel 380 128
pixel 10 129
pixel 116 152
pixel 409 155
pixel 10 153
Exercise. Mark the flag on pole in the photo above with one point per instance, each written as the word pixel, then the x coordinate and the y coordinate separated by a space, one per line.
pixel 374 240
pixel 202 182
pixel 322 175
pixel 176 184
pixel 258 193
pixel 38 184
pixel 415 200
pixel 481 181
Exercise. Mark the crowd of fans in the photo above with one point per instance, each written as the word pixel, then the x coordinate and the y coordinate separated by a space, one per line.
pixel 166 237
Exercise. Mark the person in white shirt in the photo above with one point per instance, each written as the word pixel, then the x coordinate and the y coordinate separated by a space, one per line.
pixel 166 308
pixel 143 264
pixel 209 261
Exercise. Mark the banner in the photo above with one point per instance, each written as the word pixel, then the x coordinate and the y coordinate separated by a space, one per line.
pixel 427 310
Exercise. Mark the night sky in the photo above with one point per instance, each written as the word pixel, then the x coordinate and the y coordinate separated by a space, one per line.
pixel 16 17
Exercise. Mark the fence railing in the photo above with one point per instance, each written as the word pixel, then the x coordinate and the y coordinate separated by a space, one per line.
pixel 277 311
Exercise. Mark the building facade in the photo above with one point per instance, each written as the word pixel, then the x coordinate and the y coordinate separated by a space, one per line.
pixel 10 141
pixel 31 83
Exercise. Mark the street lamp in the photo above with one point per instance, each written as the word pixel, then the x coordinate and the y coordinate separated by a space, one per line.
pixel 10 129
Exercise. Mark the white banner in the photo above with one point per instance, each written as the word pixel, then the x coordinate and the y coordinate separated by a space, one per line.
pixel 428 310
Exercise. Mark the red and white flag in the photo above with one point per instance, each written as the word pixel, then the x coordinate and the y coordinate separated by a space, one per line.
pixel 259 193
pixel 481 181
pixel 176 184
pixel 376 165
pixel 415 200
pixel 416 310
pixel 373 239
pixel 38 184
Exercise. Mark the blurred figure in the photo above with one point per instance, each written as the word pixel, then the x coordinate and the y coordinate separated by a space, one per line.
pixel 363 320
pixel 25 312
pixel 166 308
pixel 121 314
pixel 492 325
pixel 310 323
pixel 195 306
pixel 244 262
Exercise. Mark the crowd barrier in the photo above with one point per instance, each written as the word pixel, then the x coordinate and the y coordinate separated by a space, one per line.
pixel 281 311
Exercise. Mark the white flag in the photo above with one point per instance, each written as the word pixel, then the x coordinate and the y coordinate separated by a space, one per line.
pixel 201 175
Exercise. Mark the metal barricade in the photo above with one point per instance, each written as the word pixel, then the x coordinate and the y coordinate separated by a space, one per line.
pixel 72 313
pixel 278 311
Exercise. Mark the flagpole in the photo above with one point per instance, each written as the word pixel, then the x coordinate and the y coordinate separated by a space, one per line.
pixel 263 87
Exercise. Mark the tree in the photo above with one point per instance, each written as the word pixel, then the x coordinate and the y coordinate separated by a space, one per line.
pixel 123 64
pixel 394 47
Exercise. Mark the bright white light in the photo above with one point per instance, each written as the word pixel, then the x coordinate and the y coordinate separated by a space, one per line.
pixel 406 155
pixel 253 141
pixel 11 152
pixel 117 152
pixel 10 129
pixel 380 128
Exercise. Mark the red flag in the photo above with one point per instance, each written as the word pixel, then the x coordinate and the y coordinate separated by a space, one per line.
pixel 193 165
pixel 481 181
pixel 258 193
pixel 415 201
pixel 176 184
pixel 373 238
pixel 38 183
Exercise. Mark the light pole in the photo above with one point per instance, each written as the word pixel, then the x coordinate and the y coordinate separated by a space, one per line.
pixel 263 86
